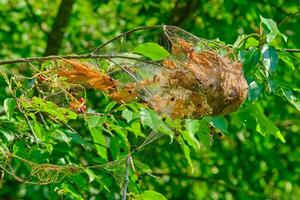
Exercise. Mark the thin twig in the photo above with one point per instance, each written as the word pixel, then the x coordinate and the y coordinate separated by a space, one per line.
pixel 126 33
pixel 126 180
pixel 85 56
pixel 289 17
pixel 130 74
pixel 292 50
pixel 29 125
pixel 151 138
pixel 43 120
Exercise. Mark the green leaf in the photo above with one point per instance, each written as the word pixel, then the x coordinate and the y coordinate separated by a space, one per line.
pixel 94 121
pixel 190 139
pixel 136 129
pixel 110 106
pixel 203 133
pixel 150 195
pixel 152 50
pixel 68 191
pixel 263 124
pixel 291 98
pixel 285 57
pixel 75 138
pixel 119 130
pixel 99 142
pixel 116 144
pixel 251 58
pixel 151 119
pixel 142 166
pixel 270 57
pixel 254 90
pixel 40 105
pixel 92 176
pixel 239 41
pixel 38 130
pixel 270 27
pixel 218 122
pixel 9 106
pixel 189 135
pixel 186 151
pixel 67 114
pixel 129 115
pixel 251 42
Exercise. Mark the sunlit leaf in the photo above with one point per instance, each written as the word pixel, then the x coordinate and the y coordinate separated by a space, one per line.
pixel 203 133
pixel 254 90
pixel 186 151
pixel 264 125
pixel 287 60
pixel 251 42
pixel 201 129
pixel 110 106
pixel 239 41
pixel 9 106
pixel 190 139
pixel 136 129
pixel 291 98
pixel 67 190
pixel 41 105
pixel 94 120
pixel 270 57
pixel 218 122
pixel 151 119
pixel 152 51
pixel 271 29
pixel 129 115
pixel 150 195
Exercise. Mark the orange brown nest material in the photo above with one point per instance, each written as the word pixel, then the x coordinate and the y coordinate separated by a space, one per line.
pixel 199 84
pixel 77 72
pixel 189 84
pixel 81 73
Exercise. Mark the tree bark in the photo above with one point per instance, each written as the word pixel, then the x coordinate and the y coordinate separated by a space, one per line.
pixel 60 24
pixel 182 12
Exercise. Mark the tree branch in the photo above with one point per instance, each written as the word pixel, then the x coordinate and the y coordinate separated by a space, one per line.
pixel 85 56
pixel 181 13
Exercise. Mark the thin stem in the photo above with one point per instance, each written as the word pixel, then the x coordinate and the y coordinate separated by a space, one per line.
pixel 29 125
pixel 289 17
pixel 85 56
pixel 292 50
pixel 248 36
pixel 126 33
pixel 130 74
pixel 126 180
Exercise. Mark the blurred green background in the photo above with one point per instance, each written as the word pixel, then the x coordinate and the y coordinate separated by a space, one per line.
pixel 241 165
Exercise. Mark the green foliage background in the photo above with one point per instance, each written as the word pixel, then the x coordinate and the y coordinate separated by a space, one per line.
pixel 248 162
